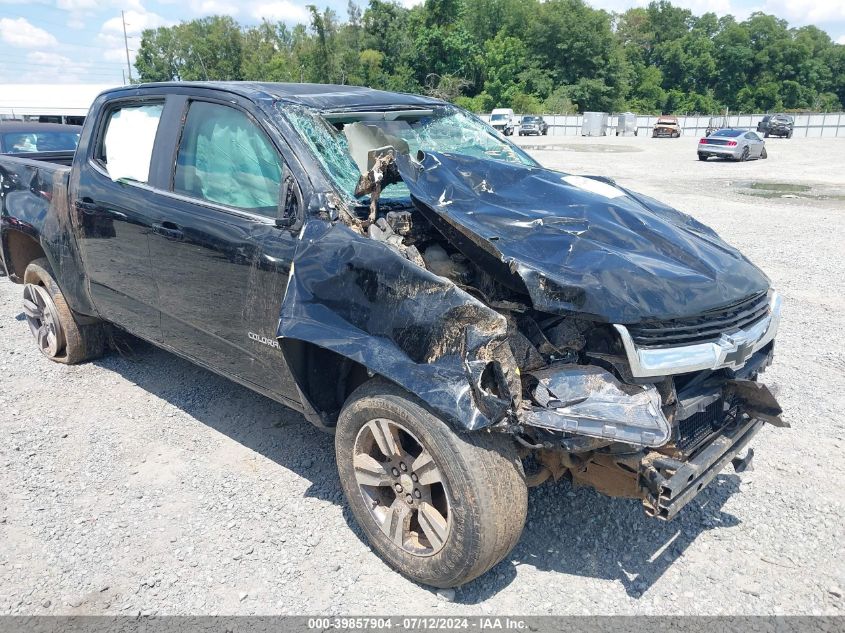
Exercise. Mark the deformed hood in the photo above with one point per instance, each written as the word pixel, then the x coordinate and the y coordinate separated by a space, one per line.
pixel 577 244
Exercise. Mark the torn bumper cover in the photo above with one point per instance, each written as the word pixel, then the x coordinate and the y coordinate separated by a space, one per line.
pixel 588 400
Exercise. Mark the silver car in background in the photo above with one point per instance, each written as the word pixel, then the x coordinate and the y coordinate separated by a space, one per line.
pixel 739 145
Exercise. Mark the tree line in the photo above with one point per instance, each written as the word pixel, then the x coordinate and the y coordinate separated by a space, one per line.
pixel 555 56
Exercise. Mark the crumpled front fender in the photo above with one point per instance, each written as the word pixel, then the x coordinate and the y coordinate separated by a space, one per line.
pixel 362 300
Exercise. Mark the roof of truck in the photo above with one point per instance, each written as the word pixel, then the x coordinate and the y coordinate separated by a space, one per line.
pixel 318 96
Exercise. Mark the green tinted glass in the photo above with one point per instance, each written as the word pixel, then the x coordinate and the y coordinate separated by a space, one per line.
pixel 225 158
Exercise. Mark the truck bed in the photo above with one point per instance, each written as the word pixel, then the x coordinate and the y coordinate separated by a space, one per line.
pixel 57 158
pixel 29 187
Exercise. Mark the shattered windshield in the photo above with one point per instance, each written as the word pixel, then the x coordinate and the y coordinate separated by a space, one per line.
pixel 444 129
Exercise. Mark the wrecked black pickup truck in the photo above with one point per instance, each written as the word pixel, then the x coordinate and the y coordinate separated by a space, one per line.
pixel 466 322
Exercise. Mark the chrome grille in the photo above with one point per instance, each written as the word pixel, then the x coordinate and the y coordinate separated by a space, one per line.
pixel 709 326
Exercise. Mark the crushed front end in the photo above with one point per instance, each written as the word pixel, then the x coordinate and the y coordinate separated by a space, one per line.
pixel 617 340
pixel 653 411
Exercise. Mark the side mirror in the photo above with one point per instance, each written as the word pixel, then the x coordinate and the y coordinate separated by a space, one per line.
pixel 290 203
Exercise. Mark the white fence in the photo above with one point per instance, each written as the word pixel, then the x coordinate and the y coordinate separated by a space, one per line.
pixel 812 125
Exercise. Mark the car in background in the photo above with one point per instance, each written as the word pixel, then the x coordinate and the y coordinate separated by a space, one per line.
pixel 776 125
pixel 533 125
pixel 666 126
pixel 738 145
pixel 502 120
pixel 40 141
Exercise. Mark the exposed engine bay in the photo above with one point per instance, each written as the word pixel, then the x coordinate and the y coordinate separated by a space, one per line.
pixel 588 350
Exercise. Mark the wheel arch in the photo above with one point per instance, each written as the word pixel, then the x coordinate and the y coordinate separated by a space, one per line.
pixel 20 249
pixel 312 368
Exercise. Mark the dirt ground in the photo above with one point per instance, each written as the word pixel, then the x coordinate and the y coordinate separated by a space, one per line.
pixel 142 484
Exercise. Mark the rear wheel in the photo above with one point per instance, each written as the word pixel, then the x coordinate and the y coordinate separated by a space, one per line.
pixel 57 332
pixel 440 507
pixel 766 135
pixel 744 156
pixel 702 157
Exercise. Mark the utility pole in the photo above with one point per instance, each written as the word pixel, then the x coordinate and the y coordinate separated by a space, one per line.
pixel 126 46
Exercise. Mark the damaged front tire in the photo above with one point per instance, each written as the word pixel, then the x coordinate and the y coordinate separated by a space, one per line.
pixel 441 508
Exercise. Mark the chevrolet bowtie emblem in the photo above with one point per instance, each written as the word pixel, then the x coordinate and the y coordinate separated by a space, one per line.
pixel 740 354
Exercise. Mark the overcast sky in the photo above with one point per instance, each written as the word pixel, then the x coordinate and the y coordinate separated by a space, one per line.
pixel 76 41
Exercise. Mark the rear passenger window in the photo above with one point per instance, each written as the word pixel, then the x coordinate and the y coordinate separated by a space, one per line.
pixel 127 144
pixel 225 158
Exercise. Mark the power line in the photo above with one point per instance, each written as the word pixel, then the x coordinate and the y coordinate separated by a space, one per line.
pixel 126 44
pixel 41 68
pixel 25 60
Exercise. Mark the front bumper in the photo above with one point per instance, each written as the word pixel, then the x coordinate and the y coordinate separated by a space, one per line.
pixel 731 350
pixel 668 487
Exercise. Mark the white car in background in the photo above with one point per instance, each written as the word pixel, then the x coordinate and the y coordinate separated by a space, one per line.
pixel 503 120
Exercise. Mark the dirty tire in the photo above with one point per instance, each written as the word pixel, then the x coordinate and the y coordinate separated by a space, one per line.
pixel 79 342
pixel 481 474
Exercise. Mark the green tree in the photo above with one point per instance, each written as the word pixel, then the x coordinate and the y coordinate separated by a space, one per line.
pixel 158 57
pixel 504 59
pixel 558 54
pixel 210 49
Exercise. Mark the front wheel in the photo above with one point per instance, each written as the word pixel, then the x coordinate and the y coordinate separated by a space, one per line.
pixel 764 154
pixel 440 507
pixel 55 327
pixel 789 134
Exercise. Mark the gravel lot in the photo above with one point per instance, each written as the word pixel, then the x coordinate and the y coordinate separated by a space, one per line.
pixel 141 483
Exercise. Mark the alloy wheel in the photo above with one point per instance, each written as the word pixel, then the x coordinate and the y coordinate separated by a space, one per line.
pixel 43 319
pixel 402 487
